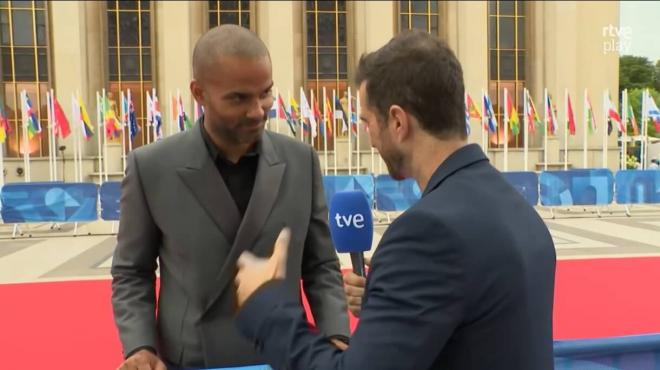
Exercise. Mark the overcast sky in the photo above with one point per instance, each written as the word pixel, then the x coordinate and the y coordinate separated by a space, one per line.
pixel 643 20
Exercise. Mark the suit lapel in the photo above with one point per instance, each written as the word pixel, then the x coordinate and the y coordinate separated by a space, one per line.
pixel 270 172
pixel 203 179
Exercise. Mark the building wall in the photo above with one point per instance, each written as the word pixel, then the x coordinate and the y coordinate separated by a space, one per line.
pixel 565 42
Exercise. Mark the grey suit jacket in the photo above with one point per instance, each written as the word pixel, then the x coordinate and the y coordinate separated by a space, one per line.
pixel 176 209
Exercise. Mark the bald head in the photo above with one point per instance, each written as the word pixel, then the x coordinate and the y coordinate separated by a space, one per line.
pixel 227 40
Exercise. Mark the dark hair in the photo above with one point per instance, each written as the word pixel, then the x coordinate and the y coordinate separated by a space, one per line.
pixel 421 74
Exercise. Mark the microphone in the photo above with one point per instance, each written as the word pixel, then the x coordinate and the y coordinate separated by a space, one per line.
pixel 351 226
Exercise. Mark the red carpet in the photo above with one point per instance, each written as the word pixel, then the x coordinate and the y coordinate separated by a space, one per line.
pixel 69 325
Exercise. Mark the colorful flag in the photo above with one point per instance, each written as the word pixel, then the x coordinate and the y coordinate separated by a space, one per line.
pixel 329 115
pixel 589 116
pixel 61 126
pixel 306 114
pixel 571 117
pixel 5 128
pixel 158 118
pixel 633 121
pixel 339 111
pixel 184 121
pixel 111 123
pixel 613 114
pixel 283 114
pixel 652 111
pixel 550 116
pixel 514 122
pixel 85 122
pixel 272 113
pixel 132 118
pixel 33 125
pixel 473 110
pixel 533 119
pixel 490 115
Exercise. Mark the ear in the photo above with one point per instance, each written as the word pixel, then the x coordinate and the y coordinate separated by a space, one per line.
pixel 197 91
pixel 400 123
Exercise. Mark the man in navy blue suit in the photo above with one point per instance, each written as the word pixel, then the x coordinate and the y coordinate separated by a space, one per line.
pixel 462 280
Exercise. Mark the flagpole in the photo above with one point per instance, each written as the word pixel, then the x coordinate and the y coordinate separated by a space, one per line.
pixel 643 143
pixel 350 129
pixel 76 121
pixel 130 130
pixel 325 131
pixel 52 101
pixel 105 138
pixel 484 144
pixel 26 154
pixel 171 123
pixel 605 128
pixel 585 110
pixel 545 129
pixel 99 133
pixel 277 111
pixel 506 129
pixel 334 126
pixel 624 134
pixel 79 143
pixel 124 128
pixel 49 115
pixel 566 129
pixel 153 114
pixel 526 130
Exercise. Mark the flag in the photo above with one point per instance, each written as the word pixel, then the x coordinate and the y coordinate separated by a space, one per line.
pixel 132 119
pixel 317 115
pixel 157 117
pixel 61 125
pixel 306 113
pixel 633 121
pixel 472 109
pixel 33 125
pixel 85 122
pixel 591 120
pixel 354 118
pixel 533 119
pixel 283 114
pixel 339 111
pixel 329 115
pixel 653 111
pixel 5 128
pixel 613 114
pixel 571 117
pixel 272 113
pixel 551 118
pixel 514 123
pixel 490 115
pixel 184 121
pixel 112 127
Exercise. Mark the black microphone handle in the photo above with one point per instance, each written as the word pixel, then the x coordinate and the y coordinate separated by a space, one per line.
pixel 357 259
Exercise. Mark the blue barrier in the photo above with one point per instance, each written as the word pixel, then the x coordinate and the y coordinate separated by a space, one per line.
pixel 635 186
pixel 109 194
pixel 637 352
pixel 335 184
pixel 49 202
pixel 527 184
pixel 393 195
pixel 577 187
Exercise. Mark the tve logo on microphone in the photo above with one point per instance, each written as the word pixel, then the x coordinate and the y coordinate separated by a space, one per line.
pixel 351 223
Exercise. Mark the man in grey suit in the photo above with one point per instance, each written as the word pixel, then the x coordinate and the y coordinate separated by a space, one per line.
pixel 196 200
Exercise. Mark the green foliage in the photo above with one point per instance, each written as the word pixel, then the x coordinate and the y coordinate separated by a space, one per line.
pixel 635 99
pixel 636 72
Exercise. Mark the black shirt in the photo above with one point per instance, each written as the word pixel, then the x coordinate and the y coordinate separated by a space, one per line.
pixel 238 177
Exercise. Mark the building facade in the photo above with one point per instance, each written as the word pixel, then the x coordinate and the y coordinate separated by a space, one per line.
pixel 81 48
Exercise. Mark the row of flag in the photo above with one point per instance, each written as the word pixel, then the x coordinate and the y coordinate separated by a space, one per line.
pixel 490 123
pixel 309 117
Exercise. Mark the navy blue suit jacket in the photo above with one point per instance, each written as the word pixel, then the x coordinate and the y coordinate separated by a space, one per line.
pixel 462 280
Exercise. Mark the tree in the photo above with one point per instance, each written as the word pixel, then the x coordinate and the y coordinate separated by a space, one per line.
pixel 656 85
pixel 636 72
pixel 635 99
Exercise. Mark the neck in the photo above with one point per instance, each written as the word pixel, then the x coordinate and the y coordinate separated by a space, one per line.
pixel 429 154
pixel 230 150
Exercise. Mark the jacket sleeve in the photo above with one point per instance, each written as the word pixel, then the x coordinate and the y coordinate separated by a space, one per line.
pixel 134 265
pixel 413 302
pixel 322 281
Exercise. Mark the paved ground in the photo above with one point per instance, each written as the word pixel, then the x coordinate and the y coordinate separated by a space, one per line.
pixel 54 255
